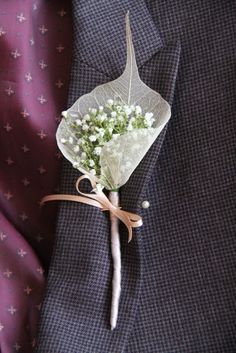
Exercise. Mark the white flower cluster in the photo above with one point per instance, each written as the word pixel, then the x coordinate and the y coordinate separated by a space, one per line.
pixel 101 125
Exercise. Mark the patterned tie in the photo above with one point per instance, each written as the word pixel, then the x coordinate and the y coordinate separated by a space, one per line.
pixel 32 94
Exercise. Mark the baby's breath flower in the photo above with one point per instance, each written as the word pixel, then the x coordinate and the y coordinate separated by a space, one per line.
pixel 92 138
pixel 76 149
pixel 102 125
pixel 103 117
pixel 130 127
pixel 86 117
pixel 97 150
pixel 119 109
pixel 148 116
pixel 127 110
pixel 93 111
pixel 149 120
pixel 132 107
pixel 138 109
pixel 101 132
pixel 91 163
pixel 85 127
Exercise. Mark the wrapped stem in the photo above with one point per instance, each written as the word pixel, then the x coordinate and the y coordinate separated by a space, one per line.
pixel 116 256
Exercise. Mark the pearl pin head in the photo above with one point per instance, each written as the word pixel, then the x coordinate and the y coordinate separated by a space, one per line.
pixel 145 204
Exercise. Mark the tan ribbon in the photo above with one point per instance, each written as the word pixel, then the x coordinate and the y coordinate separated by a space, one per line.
pixel 131 220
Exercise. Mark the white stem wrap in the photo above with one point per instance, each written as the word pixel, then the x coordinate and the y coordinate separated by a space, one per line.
pixel 116 256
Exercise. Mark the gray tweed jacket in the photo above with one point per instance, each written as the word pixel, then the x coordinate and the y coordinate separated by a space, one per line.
pixel 179 271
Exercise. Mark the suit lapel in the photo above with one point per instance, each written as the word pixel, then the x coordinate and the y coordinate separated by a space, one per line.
pixel 100 55
pixel 100 30
pixel 103 48
pixel 160 73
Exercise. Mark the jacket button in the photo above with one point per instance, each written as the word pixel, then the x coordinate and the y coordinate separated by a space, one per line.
pixel 145 204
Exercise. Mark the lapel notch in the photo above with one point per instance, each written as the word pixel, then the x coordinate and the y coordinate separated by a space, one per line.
pixel 101 32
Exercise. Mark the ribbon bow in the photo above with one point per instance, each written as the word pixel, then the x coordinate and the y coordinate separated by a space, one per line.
pixel 99 199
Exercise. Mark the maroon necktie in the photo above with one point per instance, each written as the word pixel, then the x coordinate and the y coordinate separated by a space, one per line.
pixel 35 46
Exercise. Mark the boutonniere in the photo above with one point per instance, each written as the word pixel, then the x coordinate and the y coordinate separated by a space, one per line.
pixel 105 135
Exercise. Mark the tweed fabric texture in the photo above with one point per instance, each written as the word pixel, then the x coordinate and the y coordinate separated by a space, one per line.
pixel 178 273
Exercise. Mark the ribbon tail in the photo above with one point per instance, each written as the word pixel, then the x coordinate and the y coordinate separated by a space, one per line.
pixel 74 198
pixel 130 234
